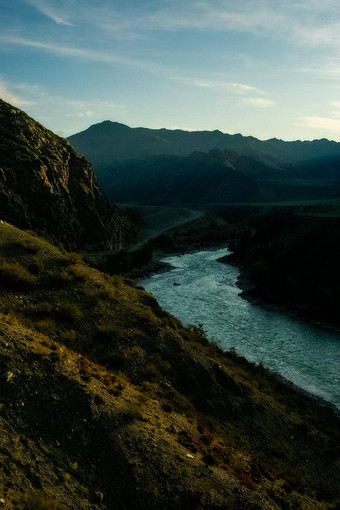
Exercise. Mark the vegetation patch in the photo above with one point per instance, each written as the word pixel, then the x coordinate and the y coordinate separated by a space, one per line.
pixel 70 312
pixel 15 275
pixel 46 326
pixel 38 501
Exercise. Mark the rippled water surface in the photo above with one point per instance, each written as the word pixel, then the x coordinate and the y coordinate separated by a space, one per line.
pixel 207 294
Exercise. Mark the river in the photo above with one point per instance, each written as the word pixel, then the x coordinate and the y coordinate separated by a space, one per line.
pixel 208 294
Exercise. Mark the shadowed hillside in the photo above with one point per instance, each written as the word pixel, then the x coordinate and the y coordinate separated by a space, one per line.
pixel 46 185
pixel 109 402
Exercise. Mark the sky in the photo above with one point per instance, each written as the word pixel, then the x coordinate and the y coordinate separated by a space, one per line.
pixel 266 68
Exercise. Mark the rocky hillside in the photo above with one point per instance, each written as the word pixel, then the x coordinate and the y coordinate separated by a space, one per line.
pixel 47 186
pixel 108 402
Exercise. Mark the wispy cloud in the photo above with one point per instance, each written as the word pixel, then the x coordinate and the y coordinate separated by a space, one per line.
pixel 62 50
pixel 330 122
pixel 335 105
pixel 91 109
pixel 328 69
pixel 305 22
pixel 50 11
pixel 234 88
pixel 45 105
pixel 238 88
pixel 258 102
pixel 320 123
pixel 241 88
pixel 8 94
pixel 82 53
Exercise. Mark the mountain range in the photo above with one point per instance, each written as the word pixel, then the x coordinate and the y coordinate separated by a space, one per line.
pixel 161 166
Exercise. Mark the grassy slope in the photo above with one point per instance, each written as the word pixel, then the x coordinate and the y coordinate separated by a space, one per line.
pixel 109 402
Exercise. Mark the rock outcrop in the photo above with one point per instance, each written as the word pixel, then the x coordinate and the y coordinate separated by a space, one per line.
pixel 48 186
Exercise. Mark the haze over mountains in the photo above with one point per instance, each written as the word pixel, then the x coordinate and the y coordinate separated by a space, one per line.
pixel 161 166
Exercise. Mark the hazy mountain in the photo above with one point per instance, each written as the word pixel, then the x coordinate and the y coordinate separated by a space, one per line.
pixel 107 142
pixel 48 186
pixel 216 176
pixel 213 177
pixel 163 166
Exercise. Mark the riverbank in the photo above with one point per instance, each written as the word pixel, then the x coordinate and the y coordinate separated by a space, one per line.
pixel 200 290
pixel 288 259
pixel 243 283
pixel 292 260
pixel 292 310
pixel 300 314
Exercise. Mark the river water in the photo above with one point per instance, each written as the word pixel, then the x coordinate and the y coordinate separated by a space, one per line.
pixel 208 295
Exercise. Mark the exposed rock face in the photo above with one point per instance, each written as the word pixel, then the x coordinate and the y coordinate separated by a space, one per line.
pixel 47 186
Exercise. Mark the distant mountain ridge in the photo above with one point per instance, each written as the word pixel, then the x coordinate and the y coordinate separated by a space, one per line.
pixel 162 166
pixel 108 141
pixel 47 186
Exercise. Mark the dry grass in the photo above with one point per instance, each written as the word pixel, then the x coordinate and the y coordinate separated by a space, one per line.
pixel 164 389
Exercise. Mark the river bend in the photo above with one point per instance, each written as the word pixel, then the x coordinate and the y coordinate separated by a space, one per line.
pixel 208 294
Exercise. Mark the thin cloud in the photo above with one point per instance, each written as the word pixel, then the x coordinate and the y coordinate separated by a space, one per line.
pixel 238 88
pixel 202 84
pixel 50 12
pixel 335 104
pixel 11 97
pixel 60 50
pixel 328 70
pixel 258 102
pixel 48 108
pixel 336 110
pixel 194 82
pixel 301 22
pixel 320 123
pixel 324 35
pixel 241 88
pixel 81 53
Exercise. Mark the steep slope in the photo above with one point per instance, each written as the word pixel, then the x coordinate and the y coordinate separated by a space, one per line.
pixel 108 402
pixel 46 185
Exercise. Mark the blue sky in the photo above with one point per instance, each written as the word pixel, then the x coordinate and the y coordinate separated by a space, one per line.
pixel 266 68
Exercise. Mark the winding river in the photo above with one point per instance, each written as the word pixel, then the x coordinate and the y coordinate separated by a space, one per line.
pixel 206 293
